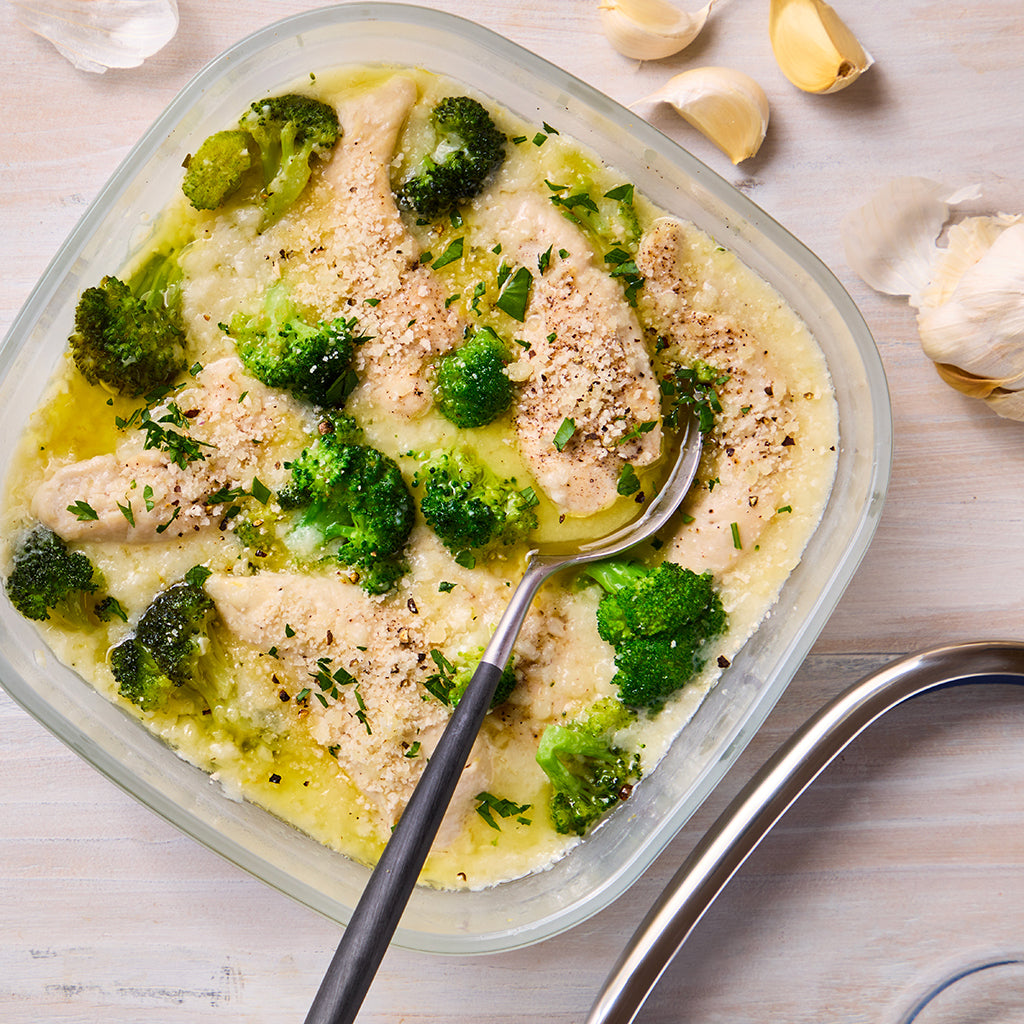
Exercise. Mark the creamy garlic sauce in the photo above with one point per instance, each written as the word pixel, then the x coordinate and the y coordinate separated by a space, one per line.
pixel 293 759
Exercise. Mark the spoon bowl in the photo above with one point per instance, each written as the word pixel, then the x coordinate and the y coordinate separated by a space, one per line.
pixel 376 916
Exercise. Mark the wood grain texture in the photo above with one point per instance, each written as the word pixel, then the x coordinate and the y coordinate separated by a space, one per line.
pixel 905 855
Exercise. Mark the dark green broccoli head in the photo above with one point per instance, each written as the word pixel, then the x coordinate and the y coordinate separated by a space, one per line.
pixel 588 773
pixel 470 508
pixel 659 621
pixel 469 149
pixel 128 343
pixel 312 361
pixel 471 387
pixel 164 652
pixel 289 131
pixel 351 499
pixel 45 575
pixel 216 169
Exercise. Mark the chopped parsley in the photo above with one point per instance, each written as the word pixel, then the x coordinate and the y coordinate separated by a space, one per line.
pixel 451 254
pixel 629 482
pixel 564 433
pixel 515 294
pixel 489 805
pixel 83 511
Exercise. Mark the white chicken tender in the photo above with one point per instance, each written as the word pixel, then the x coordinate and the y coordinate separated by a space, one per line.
pixel 236 420
pixel 756 428
pixel 363 250
pixel 586 362
pixel 381 645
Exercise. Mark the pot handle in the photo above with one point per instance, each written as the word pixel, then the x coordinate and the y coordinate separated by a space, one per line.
pixel 767 796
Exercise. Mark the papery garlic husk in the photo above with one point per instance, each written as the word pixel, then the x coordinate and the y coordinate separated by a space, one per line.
pixel 99 34
pixel 969 293
pixel 890 241
pixel 813 46
pixel 725 105
pixel 650 29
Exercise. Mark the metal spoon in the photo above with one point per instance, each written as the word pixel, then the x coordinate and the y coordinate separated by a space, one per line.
pixel 376 916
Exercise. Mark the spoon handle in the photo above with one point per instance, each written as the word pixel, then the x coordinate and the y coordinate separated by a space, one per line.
pixel 376 916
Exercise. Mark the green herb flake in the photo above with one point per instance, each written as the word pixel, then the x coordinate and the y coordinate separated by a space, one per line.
pixel 451 254
pixel 127 511
pixel 629 482
pixel 515 294
pixel 371 302
pixel 444 587
pixel 147 497
pixel 736 542
pixel 638 429
pixel 564 433
pixel 260 491
pixel 621 193
pixel 785 508
pixel 288 631
pixel 489 805
pixel 539 139
pixel 83 511
pixel 544 260
pixel 414 749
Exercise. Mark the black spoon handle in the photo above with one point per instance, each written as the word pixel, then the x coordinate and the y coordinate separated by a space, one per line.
pixel 376 916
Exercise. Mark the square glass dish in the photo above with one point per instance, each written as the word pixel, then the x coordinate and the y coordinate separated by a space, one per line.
pixel 597 871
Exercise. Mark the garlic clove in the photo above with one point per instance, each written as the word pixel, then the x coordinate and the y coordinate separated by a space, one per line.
pixel 99 34
pixel 813 47
pixel 726 106
pixel 650 29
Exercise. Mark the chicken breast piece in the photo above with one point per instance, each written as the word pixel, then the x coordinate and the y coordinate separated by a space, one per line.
pixel 142 495
pixel 737 485
pixel 586 362
pixel 363 251
pixel 384 723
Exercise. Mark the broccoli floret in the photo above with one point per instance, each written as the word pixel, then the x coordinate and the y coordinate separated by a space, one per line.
pixel 279 348
pixel 589 774
pixel 216 169
pixel 46 576
pixel 658 620
pixel 449 682
pixel 469 148
pixel 471 508
pixel 289 131
pixel 128 334
pixel 164 652
pixel 471 387
pixel 351 498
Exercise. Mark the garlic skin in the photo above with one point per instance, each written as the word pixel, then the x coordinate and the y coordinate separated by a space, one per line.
pixel 969 293
pixel 813 46
pixel 726 106
pixel 650 29
pixel 99 34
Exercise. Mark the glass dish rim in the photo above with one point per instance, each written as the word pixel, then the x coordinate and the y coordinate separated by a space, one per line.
pixel 411 16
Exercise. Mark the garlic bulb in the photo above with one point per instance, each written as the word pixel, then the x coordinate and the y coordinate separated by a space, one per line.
pixel 969 294
pixel 813 47
pixel 725 105
pixel 650 29
pixel 99 34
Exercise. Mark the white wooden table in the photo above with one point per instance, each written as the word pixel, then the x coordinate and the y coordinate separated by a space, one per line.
pixel 908 854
